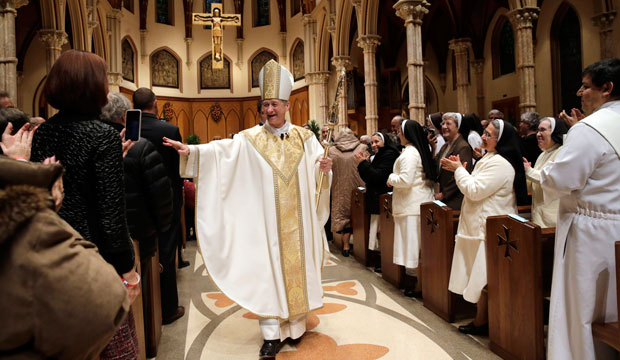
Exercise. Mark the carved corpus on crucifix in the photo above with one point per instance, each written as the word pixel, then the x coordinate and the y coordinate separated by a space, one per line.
pixel 217 20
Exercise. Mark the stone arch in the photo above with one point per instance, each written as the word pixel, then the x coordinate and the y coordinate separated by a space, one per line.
pixel 343 26
pixel 371 12
pixel 323 45
pixel 100 43
pixel 179 84
pixel 79 24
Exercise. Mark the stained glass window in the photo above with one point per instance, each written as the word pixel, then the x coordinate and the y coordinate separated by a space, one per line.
pixel 261 13
pixel 163 9
pixel 506 49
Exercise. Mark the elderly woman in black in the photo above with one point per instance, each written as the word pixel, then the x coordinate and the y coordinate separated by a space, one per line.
pixel 375 172
pixel 91 153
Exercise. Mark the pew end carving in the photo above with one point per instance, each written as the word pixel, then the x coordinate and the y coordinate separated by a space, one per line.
pixel 519 261
pixel 609 333
pixel 392 273
pixel 361 226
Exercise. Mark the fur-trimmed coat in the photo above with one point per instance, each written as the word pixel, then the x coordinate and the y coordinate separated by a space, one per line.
pixel 60 298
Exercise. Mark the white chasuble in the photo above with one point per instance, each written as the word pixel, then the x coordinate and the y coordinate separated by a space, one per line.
pixel 259 231
pixel 585 177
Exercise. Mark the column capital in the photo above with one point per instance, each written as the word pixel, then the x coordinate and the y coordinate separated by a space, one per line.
pixel 369 42
pixel 604 20
pixel 523 17
pixel 478 65
pixel 461 45
pixel 318 77
pixel 356 3
pixel 53 38
pixel 115 14
pixel 412 11
pixel 341 62
pixel 308 19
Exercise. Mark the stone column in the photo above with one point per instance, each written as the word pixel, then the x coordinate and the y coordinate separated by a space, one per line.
pixel 369 43
pixel 188 51
pixel 605 22
pixel 143 54
pixel 461 50
pixel 115 63
pixel 8 55
pixel 309 44
pixel 478 66
pixel 521 20
pixel 412 11
pixel 53 40
pixel 317 89
pixel 91 18
pixel 284 51
pixel 342 63
pixel 239 62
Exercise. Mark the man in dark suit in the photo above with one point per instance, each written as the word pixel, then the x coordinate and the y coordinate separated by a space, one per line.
pixel 154 130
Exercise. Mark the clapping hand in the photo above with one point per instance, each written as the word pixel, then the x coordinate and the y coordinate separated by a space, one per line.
pixel 361 156
pixel 181 148
pixel 58 190
pixel 452 163
pixel 526 164
pixel 17 146
pixel 477 153
pixel 575 116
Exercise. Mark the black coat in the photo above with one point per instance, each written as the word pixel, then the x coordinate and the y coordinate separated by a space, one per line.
pixel 148 195
pixel 154 130
pixel 529 148
pixel 94 202
pixel 375 175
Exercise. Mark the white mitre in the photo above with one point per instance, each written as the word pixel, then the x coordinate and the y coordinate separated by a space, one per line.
pixel 275 81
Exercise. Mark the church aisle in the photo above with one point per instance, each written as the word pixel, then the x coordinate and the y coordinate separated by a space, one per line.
pixel 364 317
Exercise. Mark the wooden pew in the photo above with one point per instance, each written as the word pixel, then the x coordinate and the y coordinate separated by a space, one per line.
pixel 137 308
pixel 609 333
pixel 439 225
pixel 361 225
pixel 152 304
pixel 392 273
pixel 519 265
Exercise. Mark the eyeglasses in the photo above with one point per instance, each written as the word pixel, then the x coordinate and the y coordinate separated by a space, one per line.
pixel 488 135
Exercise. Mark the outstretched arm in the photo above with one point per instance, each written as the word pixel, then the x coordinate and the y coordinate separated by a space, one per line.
pixel 181 148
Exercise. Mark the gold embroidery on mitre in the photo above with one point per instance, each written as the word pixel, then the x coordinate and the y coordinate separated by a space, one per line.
pixel 271 80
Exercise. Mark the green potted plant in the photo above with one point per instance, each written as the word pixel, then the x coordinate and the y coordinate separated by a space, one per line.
pixel 192 139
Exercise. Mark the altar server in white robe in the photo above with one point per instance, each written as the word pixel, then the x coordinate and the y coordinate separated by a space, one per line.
pixel 585 176
pixel 258 227
pixel 495 187
pixel 412 179
pixel 550 136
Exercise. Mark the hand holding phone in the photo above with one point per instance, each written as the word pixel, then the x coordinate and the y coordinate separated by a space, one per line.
pixel 133 124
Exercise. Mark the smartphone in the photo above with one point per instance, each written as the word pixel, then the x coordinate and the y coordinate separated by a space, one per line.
pixel 133 124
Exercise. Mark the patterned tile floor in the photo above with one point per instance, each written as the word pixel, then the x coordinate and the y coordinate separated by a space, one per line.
pixel 364 317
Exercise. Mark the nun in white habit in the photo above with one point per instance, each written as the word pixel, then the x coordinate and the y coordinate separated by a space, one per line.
pixel 495 187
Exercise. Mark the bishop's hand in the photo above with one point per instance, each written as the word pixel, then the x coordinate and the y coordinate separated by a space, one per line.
pixel 325 164
pixel 181 148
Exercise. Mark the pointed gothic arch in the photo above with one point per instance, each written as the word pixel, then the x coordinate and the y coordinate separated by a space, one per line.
pixel 296 56
pixel 256 62
pixel 503 48
pixel 222 80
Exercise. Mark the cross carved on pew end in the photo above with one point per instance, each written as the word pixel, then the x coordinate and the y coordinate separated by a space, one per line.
pixel 506 241
pixel 430 220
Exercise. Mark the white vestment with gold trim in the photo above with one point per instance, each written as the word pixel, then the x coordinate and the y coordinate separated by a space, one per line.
pixel 259 232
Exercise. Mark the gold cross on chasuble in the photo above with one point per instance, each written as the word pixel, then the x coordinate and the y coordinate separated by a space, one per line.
pixel 217 20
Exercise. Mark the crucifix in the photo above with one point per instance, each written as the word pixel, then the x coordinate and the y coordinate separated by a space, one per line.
pixel 216 19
